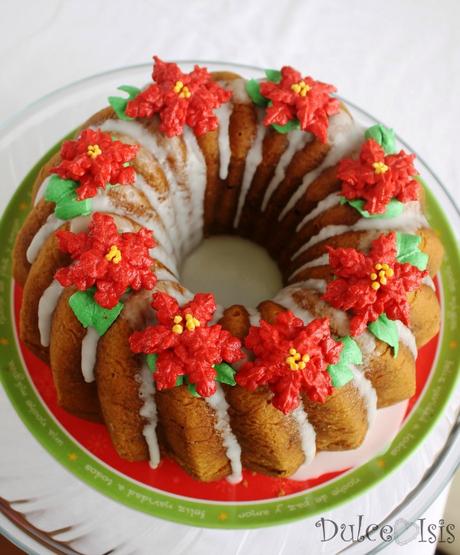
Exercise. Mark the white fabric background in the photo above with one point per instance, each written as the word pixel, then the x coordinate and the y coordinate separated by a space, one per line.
pixel 399 60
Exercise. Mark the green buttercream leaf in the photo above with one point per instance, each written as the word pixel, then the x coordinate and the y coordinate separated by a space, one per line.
pixel 119 103
pixel 225 373
pixel 395 208
pixel 253 90
pixel 340 373
pixel 408 250
pixel 63 193
pixel 384 136
pixel 152 361
pixel 289 126
pixel 192 389
pixel 386 330
pixel 89 313
pixel 273 75
pixel 179 380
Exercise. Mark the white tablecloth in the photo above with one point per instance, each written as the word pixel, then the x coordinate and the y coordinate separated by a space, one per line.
pixel 399 60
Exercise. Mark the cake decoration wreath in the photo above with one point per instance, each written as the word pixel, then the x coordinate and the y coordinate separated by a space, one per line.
pixel 183 348
pixel 381 180
pixel 89 163
pixel 373 288
pixel 105 265
pixel 294 102
pixel 178 98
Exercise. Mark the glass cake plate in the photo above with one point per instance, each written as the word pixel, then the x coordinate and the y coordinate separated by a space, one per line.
pixel 61 482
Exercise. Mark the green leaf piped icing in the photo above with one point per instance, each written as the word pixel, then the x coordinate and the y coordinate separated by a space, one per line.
pixel 340 373
pixel 119 103
pixel 273 75
pixel 291 125
pixel 395 208
pixel 387 331
pixel 384 136
pixel 63 193
pixel 225 373
pixel 91 314
pixel 408 251
pixel 151 359
pixel 253 90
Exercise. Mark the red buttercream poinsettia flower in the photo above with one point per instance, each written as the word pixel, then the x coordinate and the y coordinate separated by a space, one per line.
pixel 290 357
pixel 185 343
pixel 180 99
pixel 300 97
pixel 368 286
pixel 377 178
pixel 109 260
pixel 94 160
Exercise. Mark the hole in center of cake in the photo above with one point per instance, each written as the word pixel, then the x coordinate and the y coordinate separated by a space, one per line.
pixel 236 270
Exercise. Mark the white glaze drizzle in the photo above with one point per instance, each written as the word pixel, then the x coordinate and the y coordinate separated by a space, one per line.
pixel 254 316
pixel 284 298
pixel 148 411
pixel 41 190
pixel 406 337
pixel 409 221
pixel 297 139
pixel 344 136
pixel 88 354
pixel 322 260
pixel 253 159
pixel 322 206
pixel 223 114
pixel 196 176
pixel 232 447
pixel 46 307
pixel 51 225
pixel 428 281
pixel 238 88
pixel 367 392
pixel 306 431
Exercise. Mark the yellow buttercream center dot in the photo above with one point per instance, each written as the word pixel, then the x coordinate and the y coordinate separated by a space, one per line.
pixel 114 255
pixel 301 88
pixel 296 361
pixel 190 323
pixel 182 90
pixel 379 167
pixel 381 276
pixel 94 151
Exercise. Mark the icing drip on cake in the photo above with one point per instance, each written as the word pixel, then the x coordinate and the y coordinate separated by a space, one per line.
pixel 233 449
pixel 409 221
pixel 46 307
pixel 148 411
pixel 253 159
pixel 322 206
pixel 51 225
pixel 196 176
pixel 307 433
pixel 406 337
pixel 296 141
pixel 344 136
pixel 367 392
pixel 223 114
pixel 88 354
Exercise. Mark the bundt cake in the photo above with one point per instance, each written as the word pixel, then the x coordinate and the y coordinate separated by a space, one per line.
pixel 279 161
